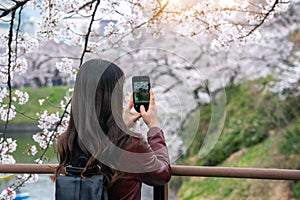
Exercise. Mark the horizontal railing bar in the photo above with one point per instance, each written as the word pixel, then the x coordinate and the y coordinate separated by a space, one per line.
pixel 28 168
pixel 234 172
pixel 179 170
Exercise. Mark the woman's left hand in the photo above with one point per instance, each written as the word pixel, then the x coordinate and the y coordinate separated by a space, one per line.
pixel 129 117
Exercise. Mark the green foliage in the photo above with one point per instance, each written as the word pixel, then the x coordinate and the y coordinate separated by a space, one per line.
pixel 296 189
pixel 212 188
pixel 245 125
pixel 265 81
pixel 260 155
pixel 291 141
pixel 290 148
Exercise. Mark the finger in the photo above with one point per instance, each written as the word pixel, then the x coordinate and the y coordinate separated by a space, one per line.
pixel 152 100
pixel 130 103
pixel 135 117
pixel 142 109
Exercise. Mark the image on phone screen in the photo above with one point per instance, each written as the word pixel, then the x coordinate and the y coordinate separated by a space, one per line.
pixel 141 92
pixel 141 95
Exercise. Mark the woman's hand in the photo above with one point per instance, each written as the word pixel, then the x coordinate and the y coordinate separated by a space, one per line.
pixel 150 117
pixel 129 117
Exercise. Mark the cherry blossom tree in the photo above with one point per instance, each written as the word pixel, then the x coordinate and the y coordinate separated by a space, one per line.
pixel 224 32
pixel 275 54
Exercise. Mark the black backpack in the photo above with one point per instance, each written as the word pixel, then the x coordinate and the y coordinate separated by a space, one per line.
pixel 74 187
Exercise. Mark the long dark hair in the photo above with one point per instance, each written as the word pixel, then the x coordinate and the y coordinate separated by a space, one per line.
pixel 69 146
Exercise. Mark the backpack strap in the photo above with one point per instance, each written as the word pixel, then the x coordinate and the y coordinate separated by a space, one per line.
pixel 73 170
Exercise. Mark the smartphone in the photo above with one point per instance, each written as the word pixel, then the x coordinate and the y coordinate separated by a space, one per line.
pixel 141 92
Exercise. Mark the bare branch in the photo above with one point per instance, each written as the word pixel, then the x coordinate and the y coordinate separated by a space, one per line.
pixel 25 115
pixel 17 33
pixel 13 8
pixel 10 51
pixel 89 32
pixel 84 5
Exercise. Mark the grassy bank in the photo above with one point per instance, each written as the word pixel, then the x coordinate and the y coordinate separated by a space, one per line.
pixel 254 135
pixel 264 154
pixel 53 95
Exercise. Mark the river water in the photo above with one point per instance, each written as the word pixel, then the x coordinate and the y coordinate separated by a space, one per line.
pixel 44 189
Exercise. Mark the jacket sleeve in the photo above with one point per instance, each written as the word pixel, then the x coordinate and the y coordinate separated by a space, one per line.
pixel 156 144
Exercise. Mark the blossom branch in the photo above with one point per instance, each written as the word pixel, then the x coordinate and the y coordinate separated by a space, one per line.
pixel 262 21
pixel 153 18
pixel 55 131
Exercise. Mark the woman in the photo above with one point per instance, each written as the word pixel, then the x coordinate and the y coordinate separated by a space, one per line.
pixel 98 134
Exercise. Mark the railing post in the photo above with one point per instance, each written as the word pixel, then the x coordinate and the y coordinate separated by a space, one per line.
pixel 160 192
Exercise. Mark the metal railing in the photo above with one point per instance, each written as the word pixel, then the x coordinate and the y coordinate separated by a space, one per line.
pixel 161 192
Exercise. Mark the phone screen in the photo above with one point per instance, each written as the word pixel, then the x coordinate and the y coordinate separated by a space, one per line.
pixel 141 95
pixel 141 92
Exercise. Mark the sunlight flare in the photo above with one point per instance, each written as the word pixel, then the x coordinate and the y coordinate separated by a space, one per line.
pixel 226 3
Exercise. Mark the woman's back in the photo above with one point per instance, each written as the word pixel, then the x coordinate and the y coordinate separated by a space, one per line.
pixel 99 130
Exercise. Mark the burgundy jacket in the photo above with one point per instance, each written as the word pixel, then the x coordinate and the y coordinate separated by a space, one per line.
pixel 128 186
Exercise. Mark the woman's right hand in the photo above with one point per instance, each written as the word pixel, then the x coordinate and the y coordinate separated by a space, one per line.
pixel 129 117
pixel 150 117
